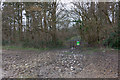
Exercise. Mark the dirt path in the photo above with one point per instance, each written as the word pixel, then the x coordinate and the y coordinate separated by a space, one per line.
pixel 59 64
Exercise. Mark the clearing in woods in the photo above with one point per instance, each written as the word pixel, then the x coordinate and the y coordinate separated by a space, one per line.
pixel 67 63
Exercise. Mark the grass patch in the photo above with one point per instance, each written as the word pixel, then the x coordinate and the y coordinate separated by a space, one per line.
pixel 22 48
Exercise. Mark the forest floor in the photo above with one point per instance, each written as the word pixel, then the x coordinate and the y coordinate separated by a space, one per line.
pixel 64 63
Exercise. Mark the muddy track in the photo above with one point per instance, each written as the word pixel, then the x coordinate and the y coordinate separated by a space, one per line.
pixel 59 64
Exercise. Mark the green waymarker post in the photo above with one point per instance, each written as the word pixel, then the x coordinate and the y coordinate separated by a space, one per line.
pixel 78 43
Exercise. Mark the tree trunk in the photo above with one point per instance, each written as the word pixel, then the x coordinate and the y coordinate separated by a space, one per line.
pixel 54 38
pixel 14 33
pixel 119 20
pixel 21 23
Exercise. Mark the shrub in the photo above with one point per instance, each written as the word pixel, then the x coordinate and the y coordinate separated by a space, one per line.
pixel 113 40
pixel 5 42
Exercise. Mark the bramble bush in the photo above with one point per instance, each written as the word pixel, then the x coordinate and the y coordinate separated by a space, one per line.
pixel 113 41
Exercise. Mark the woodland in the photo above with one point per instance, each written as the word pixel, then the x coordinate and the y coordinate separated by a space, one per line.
pixel 55 24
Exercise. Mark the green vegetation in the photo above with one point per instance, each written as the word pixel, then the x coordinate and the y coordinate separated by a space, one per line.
pixel 29 48
pixel 42 44
pixel 22 48
pixel 113 40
